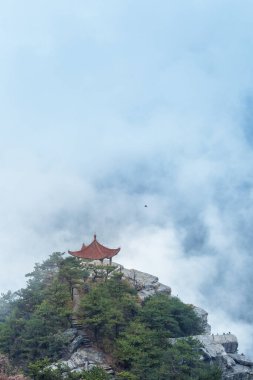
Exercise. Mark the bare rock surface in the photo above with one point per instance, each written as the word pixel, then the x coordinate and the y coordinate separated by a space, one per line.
pixel 222 350
pixel 238 372
pixel 77 342
pixel 242 359
pixel 145 284
pixel 227 341
pixel 84 359
pixel 203 315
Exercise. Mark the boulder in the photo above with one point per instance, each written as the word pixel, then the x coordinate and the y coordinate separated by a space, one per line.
pixel 216 345
pixel 84 358
pixel 202 314
pixel 222 350
pixel 139 279
pixel 161 288
pixel 77 342
pixel 145 284
pixel 242 359
pixel 238 372
pixel 228 341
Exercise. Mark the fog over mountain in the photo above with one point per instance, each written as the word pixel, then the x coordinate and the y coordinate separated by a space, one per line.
pixel 110 106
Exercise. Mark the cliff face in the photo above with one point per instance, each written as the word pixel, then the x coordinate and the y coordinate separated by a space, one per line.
pixel 223 350
pixel 218 349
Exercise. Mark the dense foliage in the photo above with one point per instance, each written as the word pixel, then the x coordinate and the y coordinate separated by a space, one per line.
pixel 33 319
pixel 134 335
pixel 137 335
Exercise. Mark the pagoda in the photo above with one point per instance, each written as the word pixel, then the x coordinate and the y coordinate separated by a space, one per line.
pixel 95 251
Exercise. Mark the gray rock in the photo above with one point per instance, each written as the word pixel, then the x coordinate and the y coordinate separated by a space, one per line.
pixel 238 372
pixel 202 314
pixel 139 279
pixel 227 341
pixel 211 349
pixel 228 362
pixel 219 349
pixel 143 294
pixel 145 284
pixel 70 334
pixel 222 350
pixel 242 359
pixel 83 357
pixel 161 288
pixel 77 342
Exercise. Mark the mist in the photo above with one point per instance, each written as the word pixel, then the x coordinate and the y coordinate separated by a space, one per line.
pixel 106 108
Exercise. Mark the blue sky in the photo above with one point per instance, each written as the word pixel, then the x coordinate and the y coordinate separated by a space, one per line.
pixel 108 106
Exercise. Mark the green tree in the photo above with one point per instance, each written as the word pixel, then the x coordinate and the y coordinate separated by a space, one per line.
pixel 169 314
pixel 181 361
pixel 34 319
pixel 71 273
pixel 38 315
pixel 108 308
pixel 6 304
pixel 144 355
pixel 139 348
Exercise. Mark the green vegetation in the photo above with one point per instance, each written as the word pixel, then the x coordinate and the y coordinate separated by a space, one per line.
pixel 33 320
pixel 108 308
pixel 134 335
pixel 138 335
pixel 40 370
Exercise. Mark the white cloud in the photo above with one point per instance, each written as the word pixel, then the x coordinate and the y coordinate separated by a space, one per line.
pixel 106 108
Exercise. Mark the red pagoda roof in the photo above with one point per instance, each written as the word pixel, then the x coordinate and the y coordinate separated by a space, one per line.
pixel 95 251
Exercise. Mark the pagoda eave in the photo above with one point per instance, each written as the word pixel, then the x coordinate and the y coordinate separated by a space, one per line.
pixel 94 256
pixel 95 251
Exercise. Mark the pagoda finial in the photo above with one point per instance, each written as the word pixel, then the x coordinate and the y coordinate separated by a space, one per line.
pixel 95 237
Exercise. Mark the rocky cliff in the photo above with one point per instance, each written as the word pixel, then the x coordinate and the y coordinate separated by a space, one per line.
pixel 219 349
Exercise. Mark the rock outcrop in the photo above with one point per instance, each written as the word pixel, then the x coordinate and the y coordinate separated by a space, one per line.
pixel 81 355
pixel 84 359
pixel 203 315
pixel 219 349
pixel 145 284
pixel 222 350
